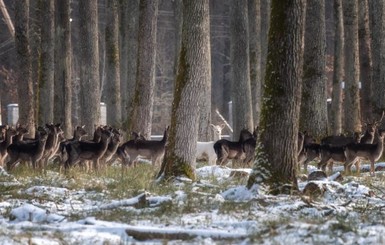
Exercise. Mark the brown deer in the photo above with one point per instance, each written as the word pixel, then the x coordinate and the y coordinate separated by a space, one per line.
pixel 27 151
pixel 120 152
pixel 3 130
pixel 226 149
pixel 9 135
pixel 112 146
pixel 52 143
pixel 87 151
pixel 249 146
pixel 149 149
pixel 371 152
pixel 370 131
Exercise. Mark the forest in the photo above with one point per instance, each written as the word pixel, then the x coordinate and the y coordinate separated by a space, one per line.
pixel 197 122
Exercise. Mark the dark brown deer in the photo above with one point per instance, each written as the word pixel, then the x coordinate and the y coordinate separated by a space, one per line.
pixel 3 130
pixel 371 152
pixel 9 135
pixel 149 149
pixel 370 131
pixel 120 152
pixel 20 132
pixel 27 151
pixel 226 149
pixel 87 151
pixel 249 146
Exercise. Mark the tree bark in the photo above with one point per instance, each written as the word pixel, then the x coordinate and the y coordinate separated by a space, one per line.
pixel 112 84
pixel 141 115
pixel 23 54
pixel 314 118
pixel 265 25
pixel 89 65
pixel 254 11
pixel 46 78
pixel 366 66
pixel 276 153
pixel 241 91
pixel 377 26
pixel 352 68
pixel 338 71
pixel 63 81
pixel 194 63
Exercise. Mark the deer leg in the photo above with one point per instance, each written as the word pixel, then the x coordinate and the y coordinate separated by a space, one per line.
pixel 372 168
pixel 11 164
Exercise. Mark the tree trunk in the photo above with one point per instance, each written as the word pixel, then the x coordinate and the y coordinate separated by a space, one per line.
pixel 63 82
pixel 265 25
pixel 25 84
pixel 141 115
pixel 338 71
pixel 254 9
pixel 276 156
pixel 365 60
pixel 204 130
pixel 46 78
pixel 112 84
pixel 314 117
pixel 241 91
pixel 352 67
pixel 89 65
pixel 377 26
pixel 194 63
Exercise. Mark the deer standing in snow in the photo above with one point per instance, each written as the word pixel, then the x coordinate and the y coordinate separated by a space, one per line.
pixel 205 150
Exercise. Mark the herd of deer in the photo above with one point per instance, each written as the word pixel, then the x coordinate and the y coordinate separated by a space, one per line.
pixel 107 146
pixel 103 149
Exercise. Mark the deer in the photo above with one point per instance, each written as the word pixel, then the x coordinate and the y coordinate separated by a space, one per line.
pixel 371 128
pixel 205 150
pixel 121 154
pixel 27 151
pixel 112 146
pixel 226 149
pixel 87 151
pixel 149 149
pixel 3 130
pixel 249 146
pixel 8 140
pixel 371 152
pixel 20 132
pixel 52 143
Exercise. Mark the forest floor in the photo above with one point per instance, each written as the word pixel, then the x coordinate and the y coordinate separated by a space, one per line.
pixel 131 208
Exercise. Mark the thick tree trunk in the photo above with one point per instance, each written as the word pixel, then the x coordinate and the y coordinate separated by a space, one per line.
pixel 314 117
pixel 365 61
pixel 338 71
pixel 141 115
pixel 25 84
pixel 254 9
pixel 63 81
pixel 377 26
pixel 240 66
pixel 112 84
pixel 276 156
pixel 352 68
pixel 89 65
pixel 265 25
pixel 194 63
pixel 46 78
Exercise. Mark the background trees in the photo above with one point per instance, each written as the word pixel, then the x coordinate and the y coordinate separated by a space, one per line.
pixel 237 35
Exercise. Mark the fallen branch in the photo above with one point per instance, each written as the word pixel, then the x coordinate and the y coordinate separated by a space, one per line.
pixel 147 233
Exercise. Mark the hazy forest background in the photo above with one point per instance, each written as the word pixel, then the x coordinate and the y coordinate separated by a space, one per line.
pixel 40 16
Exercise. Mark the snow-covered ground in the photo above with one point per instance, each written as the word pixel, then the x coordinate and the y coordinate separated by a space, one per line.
pixel 217 209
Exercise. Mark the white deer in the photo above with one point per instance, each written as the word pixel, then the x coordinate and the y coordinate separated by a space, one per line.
pixel 205 150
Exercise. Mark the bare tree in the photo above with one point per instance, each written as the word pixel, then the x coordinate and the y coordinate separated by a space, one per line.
pixel 338 71
pixel 112 85
pixel 254 11
pixel 194 60
pixel 314 117
pixel 240 66
pixel 365 60
pixel 141 115
pixel 352 68
pixel 377 26
pixel 276 153
pixel 46 78
pixel 89 65
pixel 25 84
pixel 63 84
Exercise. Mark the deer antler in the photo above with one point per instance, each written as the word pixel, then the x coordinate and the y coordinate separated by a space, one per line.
pixel 224 120
pixel 382 117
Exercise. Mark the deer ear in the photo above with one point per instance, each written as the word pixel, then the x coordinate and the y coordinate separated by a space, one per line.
pixel 222 126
